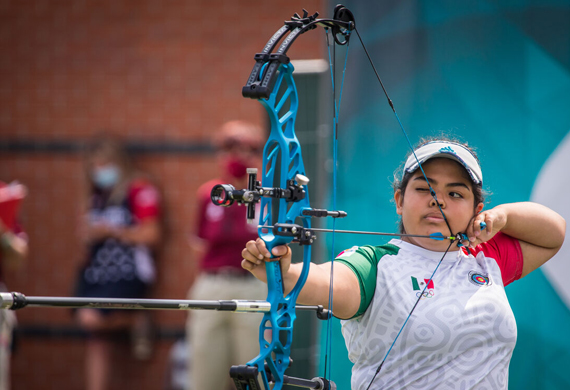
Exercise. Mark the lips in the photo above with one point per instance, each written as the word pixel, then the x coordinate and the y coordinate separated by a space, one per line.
pixel 434 217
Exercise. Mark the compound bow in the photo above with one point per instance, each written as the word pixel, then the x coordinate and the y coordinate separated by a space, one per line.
pixel 285 200
pixel 284 197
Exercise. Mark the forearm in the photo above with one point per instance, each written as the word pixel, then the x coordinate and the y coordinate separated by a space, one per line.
pixel 533 223
pixel 316 288
pixel 14 248
pixel 346 291
pixel 147 233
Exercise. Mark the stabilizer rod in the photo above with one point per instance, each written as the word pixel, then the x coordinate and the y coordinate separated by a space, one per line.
pixel 16 300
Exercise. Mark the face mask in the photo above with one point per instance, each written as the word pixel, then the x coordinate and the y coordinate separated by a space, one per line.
pixel 106 177
pixel 236 168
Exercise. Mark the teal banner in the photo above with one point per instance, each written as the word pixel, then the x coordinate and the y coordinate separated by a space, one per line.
pixel 494 74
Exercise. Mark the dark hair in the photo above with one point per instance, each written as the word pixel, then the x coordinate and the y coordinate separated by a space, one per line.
pixel 402 183
pixel 115 149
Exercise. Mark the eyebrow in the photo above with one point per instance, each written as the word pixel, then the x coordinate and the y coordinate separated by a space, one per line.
pixel 458 184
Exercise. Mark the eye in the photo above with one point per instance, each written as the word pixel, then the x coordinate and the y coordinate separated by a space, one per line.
pixel 422 189
pixel 454 194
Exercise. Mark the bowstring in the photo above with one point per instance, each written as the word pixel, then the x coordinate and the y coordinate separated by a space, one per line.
pixel 336 109
pixel 433 194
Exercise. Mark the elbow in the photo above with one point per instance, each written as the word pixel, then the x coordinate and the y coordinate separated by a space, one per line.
pixel 562 230
pixel 154 237
pixel 559 232
pixel 148 233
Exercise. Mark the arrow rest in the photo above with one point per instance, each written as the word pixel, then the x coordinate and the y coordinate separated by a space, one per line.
pixel 302 235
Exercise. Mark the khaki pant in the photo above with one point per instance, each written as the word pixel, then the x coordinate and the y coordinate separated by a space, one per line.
pixel 217 340
pixel 7 323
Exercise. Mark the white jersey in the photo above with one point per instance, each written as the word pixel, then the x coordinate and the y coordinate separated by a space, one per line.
pixel 461 335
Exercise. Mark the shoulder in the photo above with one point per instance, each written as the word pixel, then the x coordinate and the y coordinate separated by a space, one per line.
pixel 140 180
pixel 506 252
pixel 369 252
pixel 363 262
pixel 141 184
pixel 142 192
pixel 501 245
pixel 379 252
pixel 205 189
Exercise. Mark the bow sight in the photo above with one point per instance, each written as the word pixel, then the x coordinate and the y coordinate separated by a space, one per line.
pixel 226 195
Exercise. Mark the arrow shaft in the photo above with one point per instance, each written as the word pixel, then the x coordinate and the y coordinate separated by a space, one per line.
pixel 370 233
pixel 373 233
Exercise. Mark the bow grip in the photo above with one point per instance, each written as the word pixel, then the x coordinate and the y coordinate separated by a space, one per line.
pixel 272 240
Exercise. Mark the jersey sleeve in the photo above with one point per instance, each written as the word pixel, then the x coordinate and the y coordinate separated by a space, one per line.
pixel 363 261
pixel 507 252
pixel 144 201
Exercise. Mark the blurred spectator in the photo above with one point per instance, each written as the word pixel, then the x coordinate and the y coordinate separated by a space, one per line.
pixel 221 339
pixel 179 360
pixel 121 226
pixel 13 251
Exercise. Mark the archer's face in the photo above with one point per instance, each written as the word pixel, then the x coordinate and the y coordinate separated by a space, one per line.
pixel 419 211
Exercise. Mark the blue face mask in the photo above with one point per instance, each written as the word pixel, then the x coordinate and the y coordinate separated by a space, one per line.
pixel 106 177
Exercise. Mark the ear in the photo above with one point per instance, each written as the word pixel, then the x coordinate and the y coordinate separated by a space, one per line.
pixel 479 208
pixel 399 199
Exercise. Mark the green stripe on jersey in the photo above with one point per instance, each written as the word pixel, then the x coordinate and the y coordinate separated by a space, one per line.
pixel 364 263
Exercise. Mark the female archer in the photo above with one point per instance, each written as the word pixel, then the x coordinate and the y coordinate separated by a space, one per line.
pixel 437 307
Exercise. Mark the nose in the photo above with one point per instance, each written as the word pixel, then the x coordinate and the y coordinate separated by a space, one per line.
pixel 433 203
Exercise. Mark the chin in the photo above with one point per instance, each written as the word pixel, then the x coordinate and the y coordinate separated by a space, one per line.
pixel 434 245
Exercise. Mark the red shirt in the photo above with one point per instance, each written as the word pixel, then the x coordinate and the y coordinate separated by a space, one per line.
pixel 224 229
pixel 144 200
pixel 15 228
pixel 507 252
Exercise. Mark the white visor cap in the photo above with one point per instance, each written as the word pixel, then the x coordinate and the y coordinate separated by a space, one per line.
pixel 449 150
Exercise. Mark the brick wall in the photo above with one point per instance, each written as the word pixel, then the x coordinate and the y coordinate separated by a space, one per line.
pixel 155 72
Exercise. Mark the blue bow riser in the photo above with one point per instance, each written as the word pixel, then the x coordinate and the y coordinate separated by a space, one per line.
pixel 281 155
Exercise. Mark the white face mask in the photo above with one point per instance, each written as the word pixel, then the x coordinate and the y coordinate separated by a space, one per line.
pixel 106 176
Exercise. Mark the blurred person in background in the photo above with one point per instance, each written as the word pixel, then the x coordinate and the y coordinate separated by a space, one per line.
pixel 121 227
pixel 13 252
pixel 220 339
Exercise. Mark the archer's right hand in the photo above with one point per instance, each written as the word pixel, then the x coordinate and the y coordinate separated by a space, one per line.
pixel 255 254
